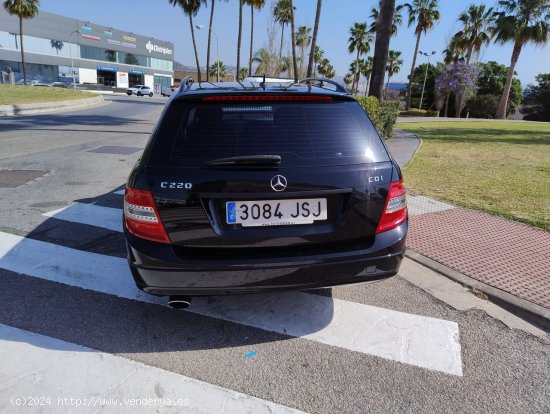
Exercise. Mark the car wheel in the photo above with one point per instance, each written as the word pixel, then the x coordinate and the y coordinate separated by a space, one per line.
pixel 151 94
pixel 138 94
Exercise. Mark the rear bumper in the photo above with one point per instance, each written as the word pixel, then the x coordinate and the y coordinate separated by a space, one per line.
pixel 158 270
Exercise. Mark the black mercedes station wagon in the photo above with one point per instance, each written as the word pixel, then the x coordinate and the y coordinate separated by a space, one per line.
pixel 251 187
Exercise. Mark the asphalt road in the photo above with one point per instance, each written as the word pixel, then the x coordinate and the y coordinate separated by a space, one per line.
pixel 72 324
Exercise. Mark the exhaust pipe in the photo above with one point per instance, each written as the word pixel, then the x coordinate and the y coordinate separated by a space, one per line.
pixel 179 302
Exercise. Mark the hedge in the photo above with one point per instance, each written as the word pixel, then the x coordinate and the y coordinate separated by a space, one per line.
pixel 382 113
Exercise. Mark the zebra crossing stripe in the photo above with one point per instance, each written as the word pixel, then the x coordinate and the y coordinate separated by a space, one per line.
pixel 74 377
pixel 91 214
pixel 417 340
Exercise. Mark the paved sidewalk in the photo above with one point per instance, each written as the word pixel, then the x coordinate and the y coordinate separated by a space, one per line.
pixel 509 256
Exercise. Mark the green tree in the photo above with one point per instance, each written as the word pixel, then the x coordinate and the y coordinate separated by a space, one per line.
pixel 267 62
pixel 366 71
pixel 317 58
pixel 537 100
pixel 393 66
pixel 303 40
pixel 191 8
pixel 476 31
pixel 348 79
pixel 293 42
pixel 428 100
pixel 57 45
pixel 213 3
pixel 325 68
pixel 359 42
pixel 396 20
pixel 243 73
pixel 384 23
pixel 258 5
pixel 424 13
pixel 282 14
pixel 520 22
pixel 314 40
pixel 492 80
pixel 23 9
pixel 218 66
pixel 239 37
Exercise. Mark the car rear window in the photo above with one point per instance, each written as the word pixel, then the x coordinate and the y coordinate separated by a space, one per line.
pixel 302 133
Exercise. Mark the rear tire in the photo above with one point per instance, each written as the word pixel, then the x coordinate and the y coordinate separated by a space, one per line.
pixel 151 95
pixel 138 94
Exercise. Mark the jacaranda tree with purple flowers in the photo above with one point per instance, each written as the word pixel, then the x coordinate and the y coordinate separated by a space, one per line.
pixel 458 78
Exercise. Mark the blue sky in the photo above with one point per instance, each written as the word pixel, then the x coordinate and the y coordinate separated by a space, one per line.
pixel 159 19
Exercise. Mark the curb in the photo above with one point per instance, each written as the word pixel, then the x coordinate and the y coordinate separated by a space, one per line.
pixel 529 311
pixel 41 107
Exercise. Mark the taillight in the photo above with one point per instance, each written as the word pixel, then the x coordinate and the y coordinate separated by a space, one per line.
pixel 142 217
pixel 395 210
pixel 264 98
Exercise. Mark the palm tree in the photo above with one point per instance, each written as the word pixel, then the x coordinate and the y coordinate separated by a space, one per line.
pixel 23 9
pixel 317 58
pixel 285 65
pixel 476 31
pixel 57 45
pixel 293 42
pixel 218 66
pixel 393 66
pixel 242 73
pixel 282 13
pixel 425 13
pixel 348 78
pixel 258 5
pixel 326 69
pixel 521 22
pixel 359 41
pixel 191 8
pixel 268 63
pixel 396 20
pixel 384 25
pixel 355 68
pixel 366 71
pixel 240 36
pixel 303 40
pixel 314 40
pixel 210 38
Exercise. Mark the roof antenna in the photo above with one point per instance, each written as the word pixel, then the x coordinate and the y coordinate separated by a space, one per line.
pixel 263 83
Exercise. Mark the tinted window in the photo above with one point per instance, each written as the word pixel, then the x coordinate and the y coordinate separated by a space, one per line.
pixel 303 134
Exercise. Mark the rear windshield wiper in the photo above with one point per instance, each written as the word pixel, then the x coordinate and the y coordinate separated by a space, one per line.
pixel 247 160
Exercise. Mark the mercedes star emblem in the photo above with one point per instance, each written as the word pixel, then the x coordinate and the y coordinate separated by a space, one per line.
pixel 278 183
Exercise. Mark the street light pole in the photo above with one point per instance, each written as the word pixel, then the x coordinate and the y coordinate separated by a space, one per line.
pixel 71 53
pixel 202 26
pixel 428 55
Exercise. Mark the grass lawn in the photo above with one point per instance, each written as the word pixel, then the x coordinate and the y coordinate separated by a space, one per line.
pixel 19 94
pixel 502 168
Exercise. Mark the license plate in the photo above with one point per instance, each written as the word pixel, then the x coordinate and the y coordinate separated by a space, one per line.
pixel 276 212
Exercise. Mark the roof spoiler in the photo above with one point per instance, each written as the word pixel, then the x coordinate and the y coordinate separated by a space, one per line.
pixel 339 87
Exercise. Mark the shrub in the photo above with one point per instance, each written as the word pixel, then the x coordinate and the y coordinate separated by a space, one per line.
pixel 389 110
pixel 413 112
pixel 372 107
pixel 432 113
pixel 483 106
pixel 383 114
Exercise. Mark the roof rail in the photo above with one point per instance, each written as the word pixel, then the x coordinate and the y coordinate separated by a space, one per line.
pixel 339 87
pixel 186 84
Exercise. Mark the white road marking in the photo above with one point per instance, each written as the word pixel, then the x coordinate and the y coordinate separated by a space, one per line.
pixel 417 340
pixel 91 214
pixel 41 366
